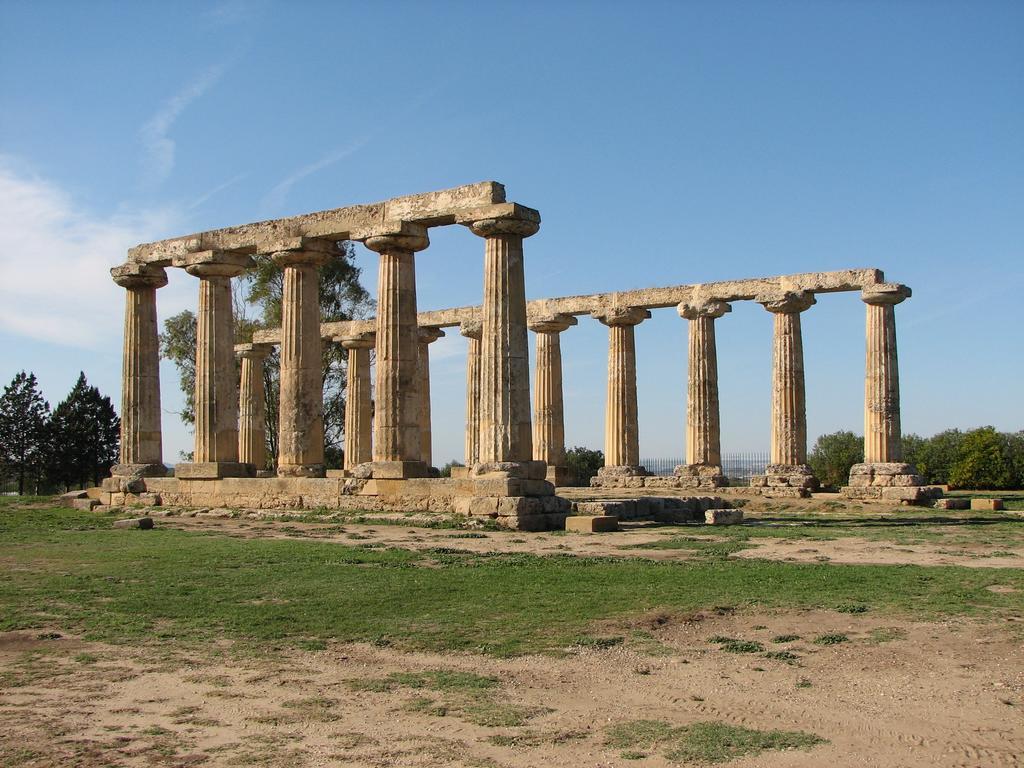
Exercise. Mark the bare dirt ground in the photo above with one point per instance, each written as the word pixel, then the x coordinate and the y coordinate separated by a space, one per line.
pixel 894 694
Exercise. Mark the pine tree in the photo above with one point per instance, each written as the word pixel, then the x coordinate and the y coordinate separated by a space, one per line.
pixel 84 436
pixel 24 416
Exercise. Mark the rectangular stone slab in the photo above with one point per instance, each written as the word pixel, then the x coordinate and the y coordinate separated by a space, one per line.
pixel 591 523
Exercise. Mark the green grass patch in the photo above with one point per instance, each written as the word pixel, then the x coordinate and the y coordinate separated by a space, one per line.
pixel 70 571
pixel 831 639
pixel 785 638
pixel 705 742
pixel 431 679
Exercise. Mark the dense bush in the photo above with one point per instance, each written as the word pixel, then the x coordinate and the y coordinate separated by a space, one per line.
pixel 583 464
pixel 832 457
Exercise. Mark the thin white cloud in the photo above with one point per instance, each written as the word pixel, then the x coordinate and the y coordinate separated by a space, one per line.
pixel 216 190
pixel 275 198
pixel 158 146
pixel 55 259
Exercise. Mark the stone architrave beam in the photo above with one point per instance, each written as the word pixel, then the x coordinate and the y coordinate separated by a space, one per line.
pixel 430 209
pixel 645 298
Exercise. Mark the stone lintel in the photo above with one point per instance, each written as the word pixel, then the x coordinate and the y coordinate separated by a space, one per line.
pixel 885 293
pixel 649 298
pixel 429 209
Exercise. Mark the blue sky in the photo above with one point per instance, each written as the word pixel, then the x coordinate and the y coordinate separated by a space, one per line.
pixel 662 142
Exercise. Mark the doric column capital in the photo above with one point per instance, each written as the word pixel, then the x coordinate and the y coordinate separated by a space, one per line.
pixel 612 316
pixel 252 351
pixel 394 236
pixel 551 323
pixel 132 275
pixel 428 334
pixel 302 251
pixel 504 226
pixel 713 308
pixel 358 341
pixel 471 329
pixel 885 293
pixel 787 302
pixel 214 263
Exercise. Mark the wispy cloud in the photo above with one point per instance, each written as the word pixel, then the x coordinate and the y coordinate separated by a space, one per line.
pixel 158 146
pixel 216 190
pixel 54 260
pixel 275 198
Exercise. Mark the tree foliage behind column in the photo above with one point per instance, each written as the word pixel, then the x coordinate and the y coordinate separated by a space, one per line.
pixel 583 464
pixel 84 436
pixel 24 418
pixel 258 306
pixel 832 457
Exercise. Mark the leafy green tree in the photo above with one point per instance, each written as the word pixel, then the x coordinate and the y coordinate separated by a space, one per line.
pixel 24 416
pixel 446 470
pixel 260 291
pixel 833 455
pixel 982 462
pixel 1014 450
pixel 935 457
pixel 583 464
pixel 84 436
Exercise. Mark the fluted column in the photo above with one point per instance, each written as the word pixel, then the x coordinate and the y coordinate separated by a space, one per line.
pixel 621 429
pixel 505 424
pixel 788 456
pixel 300 451
pixel 703 466
pixel 358 404
pixel 883 451
pixel 215 452
pixel 427 336
pixel 396 439
pixel 252 406
pixel 472 329
pixel 141 437
pixel 548 410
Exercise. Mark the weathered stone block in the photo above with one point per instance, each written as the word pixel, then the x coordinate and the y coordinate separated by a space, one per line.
pixel 211 470
pixel 952 503
pixel 987 504
pixel 85 504
pixel 68 499
pixel 723 516
pixel 150 499
pixel 591 523
pixel 135 522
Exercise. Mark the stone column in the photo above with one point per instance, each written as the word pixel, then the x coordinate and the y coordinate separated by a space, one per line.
pixel 358 404
pixel 471 329
pixel 252 406
pixel 427 336
pixel 548 410
pixel 300 451
pixel 141 439
pixel 215 454
pixel 883 452
pixel 788 459
pixel 505 424
pixel 396 439
pixel 703 468
pixel 621 431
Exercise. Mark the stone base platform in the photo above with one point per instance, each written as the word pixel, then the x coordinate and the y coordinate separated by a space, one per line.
pixel 655 481
pixel 779 476
pixel 915 494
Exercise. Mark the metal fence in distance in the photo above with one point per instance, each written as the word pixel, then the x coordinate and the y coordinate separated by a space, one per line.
pixel 741 466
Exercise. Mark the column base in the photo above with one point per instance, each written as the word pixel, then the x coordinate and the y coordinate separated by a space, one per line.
pixel 524 470
pixel 786 476
pixel 623 470
pixel 301 470
pixel 139 470
pixel 395 470
pixel 213 470
pixel 699 476
pixel 884 475
pixel 558 476
pixel 907 495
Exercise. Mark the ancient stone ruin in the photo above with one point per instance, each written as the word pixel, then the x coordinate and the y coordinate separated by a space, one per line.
pixel 514 458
